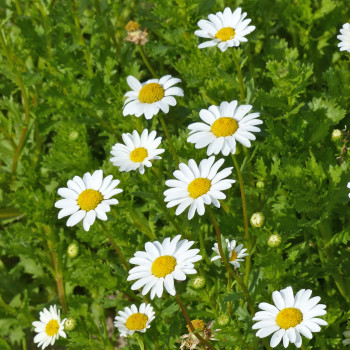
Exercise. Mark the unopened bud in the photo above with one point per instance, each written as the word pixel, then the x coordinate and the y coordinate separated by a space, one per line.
pixel 336 135
pixel 70 324
pixel 274 240
pixel 73 135
pixel 198 282
pixel 260 185
pixel 223 320
pixel 257 219
pixel 73 250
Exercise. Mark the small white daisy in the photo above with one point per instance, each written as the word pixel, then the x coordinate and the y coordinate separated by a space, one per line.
pixel 346 334
pixel 234 254
pixel 291 317
pixel 161 264
pixel 149 97
pixel 137 152
pixel 348 187
pixel 344 38
pixel 197 185
pixel 223 126
pixel 225 29
pixel 87 198
pixel 133 320
pixel 49 328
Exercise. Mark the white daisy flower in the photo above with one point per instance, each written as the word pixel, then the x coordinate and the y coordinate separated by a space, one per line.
pixel 149 97
pixel 348 187
pixel 223 126
pixel 133 320
pixel 87 198
pixel 225 29
pixel 346 334
pixel 291 317
pixel 161 264
pixel 344 38
pixel 49 328
pixel 197 185
pixel 137 152
pixel 235 254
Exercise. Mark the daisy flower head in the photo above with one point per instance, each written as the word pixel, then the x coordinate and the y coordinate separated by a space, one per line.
pixel 87 198
pixel 132 319
pixel 346 334
pixel 49 328
pixel 137 152
pixel 223 127
pixel 344 38
pixel 348 187
pixel 235 253
pixel 162 263
pixel 150 97
pixel 197 185
pixel 290 317
pixel 224 29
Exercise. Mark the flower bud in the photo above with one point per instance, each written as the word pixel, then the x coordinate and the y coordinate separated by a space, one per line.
pixel 336 135
pixel 70 324
pixel 73 250
pixel 274 240
pixel 260 185
pixel 223 320
pixel 198 282
pixel 73 135
pixel 257 219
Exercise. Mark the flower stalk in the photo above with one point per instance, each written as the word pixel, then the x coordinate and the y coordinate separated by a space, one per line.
pixel 240 76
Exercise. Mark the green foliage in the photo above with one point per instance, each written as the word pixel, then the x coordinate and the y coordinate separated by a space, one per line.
pixel 64 66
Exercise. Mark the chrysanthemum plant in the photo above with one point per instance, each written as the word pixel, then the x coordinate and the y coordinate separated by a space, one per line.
pixel 150 148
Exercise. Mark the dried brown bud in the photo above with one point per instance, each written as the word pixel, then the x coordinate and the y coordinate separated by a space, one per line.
pixel 138 37
pixel 131 26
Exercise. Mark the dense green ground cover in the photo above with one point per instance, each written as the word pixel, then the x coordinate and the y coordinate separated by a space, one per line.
pixel 63 68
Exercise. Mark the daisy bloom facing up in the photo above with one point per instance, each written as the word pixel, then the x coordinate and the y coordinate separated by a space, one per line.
pixel 133 320
pixel 223 127
pixel 225 29
pixel 49 328
pixel 137 152
pixel 290 317
pixel 161 264
pixel 344 38
pixel 235 254
pixel 197 185
pixel 150 97
pixel 87 198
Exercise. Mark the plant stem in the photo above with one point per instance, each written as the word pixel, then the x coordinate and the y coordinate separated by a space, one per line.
pixel 140 341
pixel 146 61
pixel 188 320
pixel 229 290
pixel 240 76
pixel 121 257
pixel 166 132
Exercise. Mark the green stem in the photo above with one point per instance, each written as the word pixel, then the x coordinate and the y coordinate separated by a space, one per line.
pixel 121 257
pixel 140 341
pixel 229 290
pixel 146 61
pixel 240 76
pixel 188 320
pixel 172 148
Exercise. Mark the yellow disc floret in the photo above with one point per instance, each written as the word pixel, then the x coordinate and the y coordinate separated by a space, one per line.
pixel 136 322
pixel 89 199
pixel 131 26
pixel 225 34
pixel 52 328
pixel 151 93
pixel 289 317
pixel 163 265
pixel 197 325
pixel 233 256
pixel 198 187
pixel 138 155
pixel 224 126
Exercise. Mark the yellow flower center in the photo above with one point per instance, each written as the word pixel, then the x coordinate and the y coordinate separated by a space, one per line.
pixel 138 155
pixel 224 126
pixel 136 322
pixel 197 324
pixel 289 317
pixel 199 187
pixel 52 328
pixel 89 199
pixel 163 265
pixel 225 34
pixel 233 256
pixel 151 93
